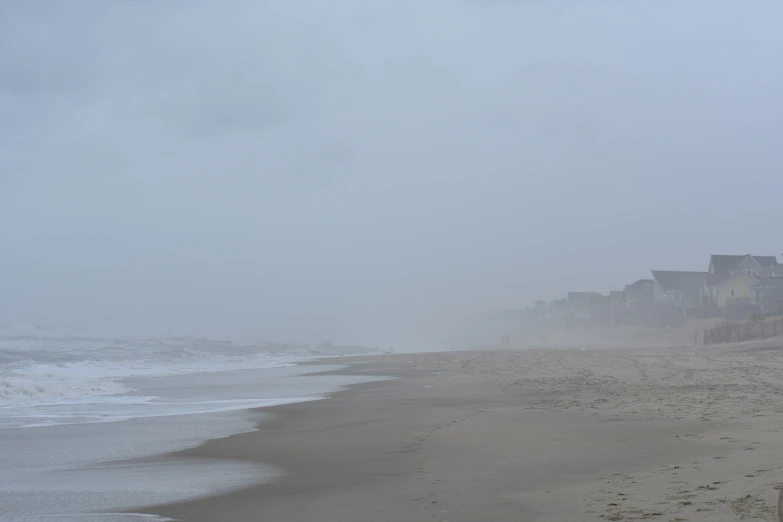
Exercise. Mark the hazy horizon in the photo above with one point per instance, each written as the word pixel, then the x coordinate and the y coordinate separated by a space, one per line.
pixel 379 170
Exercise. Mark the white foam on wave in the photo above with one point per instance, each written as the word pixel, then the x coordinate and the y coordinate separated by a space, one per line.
pixel 48 380
pixel 63 383
pixel 61 472
pixel 96 391
pixel 91 517
pixel 31 386
pixel 126 408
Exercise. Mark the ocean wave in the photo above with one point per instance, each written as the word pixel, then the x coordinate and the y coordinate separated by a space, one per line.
pixel 48 383
pixel 67 370
pixel 22 389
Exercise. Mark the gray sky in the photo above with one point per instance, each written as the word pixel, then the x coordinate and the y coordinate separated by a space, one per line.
pixel 372 169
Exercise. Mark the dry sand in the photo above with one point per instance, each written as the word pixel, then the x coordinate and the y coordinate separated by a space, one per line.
pixel 543 435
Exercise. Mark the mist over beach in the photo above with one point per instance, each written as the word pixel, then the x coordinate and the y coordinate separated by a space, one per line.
pixel 390 260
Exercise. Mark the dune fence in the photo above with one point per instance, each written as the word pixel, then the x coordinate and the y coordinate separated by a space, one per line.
pixel 732 332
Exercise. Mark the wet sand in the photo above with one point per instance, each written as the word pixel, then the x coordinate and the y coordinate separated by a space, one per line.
pixel 555 435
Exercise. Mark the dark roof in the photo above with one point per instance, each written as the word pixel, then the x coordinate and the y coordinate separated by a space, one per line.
pixel 766 261
pixel 586 298
pixel 716 280
pixel 722 265
pixel 680 281
pixel 642 289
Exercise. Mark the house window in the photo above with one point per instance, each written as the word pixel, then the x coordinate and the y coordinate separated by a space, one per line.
pixel 732 292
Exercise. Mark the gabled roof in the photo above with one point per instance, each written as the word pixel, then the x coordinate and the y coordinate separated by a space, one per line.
pixel 586 298
pixel 766 261
pixel 715 281
pixel 642 289
pixel 675 281
pixel 722 265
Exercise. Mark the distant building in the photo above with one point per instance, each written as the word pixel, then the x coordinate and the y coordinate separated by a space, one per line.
pixel 732 291
pixel 616 299
pixel 768 295
pixel 678 289
pixel 559 311
pixel 588 308
pixel 724 266
pixel 743 282
pixel 539 310
pixel 640 295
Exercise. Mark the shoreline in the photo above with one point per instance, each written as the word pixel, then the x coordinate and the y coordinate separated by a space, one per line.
pixel 95 470
pixel 510 435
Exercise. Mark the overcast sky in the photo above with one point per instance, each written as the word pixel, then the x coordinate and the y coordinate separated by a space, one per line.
pixel 366 169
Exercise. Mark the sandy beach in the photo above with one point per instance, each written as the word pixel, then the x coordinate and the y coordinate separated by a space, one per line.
pixel 670 434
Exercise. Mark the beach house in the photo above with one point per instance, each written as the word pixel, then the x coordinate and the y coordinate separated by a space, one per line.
pixel 678 289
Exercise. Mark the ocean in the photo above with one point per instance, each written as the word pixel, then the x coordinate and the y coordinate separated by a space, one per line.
pixel 81 415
